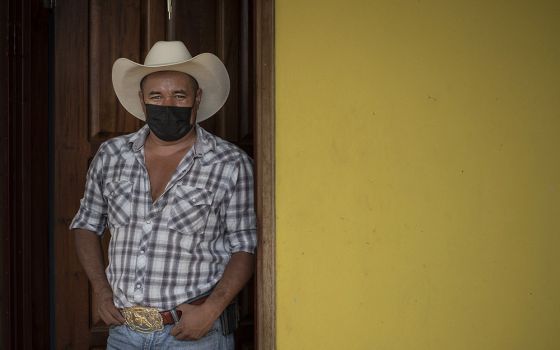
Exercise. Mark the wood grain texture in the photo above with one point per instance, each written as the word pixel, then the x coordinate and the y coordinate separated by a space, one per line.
pixel 228 49
pixel 5 222
pixel 265 156
pixel 112 26
pixel 35 163
pixel 70 164
pixel 153 28
pixel 24 175
pixel 217 27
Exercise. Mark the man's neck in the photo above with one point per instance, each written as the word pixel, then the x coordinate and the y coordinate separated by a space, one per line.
pixel 159 146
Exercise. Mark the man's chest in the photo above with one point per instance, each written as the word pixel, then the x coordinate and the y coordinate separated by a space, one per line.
pixel 160 171
pixel 129 183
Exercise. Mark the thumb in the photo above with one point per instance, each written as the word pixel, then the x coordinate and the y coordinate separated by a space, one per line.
pixel 176 329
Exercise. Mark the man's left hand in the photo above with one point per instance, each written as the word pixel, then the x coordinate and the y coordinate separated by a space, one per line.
pixel 196 321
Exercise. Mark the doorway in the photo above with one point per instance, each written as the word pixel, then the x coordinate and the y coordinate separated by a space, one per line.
pixel 89 36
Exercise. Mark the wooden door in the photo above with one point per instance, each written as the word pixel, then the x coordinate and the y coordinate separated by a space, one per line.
pixel 89 36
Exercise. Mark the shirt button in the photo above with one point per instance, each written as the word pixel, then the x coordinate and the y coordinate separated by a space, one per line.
pixel 147 227
pixel 138 297
pixel 138 286
pixel 141 262
pixel 142 251
pixel 148 222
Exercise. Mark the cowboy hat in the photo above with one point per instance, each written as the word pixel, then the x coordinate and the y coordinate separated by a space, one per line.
pixel 206 68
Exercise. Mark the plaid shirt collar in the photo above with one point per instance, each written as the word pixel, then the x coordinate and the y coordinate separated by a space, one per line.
pixel 204 145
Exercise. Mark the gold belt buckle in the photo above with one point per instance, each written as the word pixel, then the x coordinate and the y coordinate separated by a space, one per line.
pixel 143 319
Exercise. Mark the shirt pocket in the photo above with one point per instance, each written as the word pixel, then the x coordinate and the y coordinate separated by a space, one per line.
pixel 190 209
pixel 119 198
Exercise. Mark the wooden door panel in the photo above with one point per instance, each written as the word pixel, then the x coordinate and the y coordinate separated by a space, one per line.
pixel 223 27
pixel 115 31
pixel 196 25
pixel 70 126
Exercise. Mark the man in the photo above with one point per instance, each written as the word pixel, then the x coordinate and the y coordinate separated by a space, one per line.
pixel 179 205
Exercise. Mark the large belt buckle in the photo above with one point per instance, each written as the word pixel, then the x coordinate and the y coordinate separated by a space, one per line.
pixel 143 319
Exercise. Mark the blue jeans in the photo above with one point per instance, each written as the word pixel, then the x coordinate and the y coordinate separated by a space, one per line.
pixel 124 338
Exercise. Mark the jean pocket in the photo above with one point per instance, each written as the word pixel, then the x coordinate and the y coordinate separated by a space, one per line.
pixel 119 197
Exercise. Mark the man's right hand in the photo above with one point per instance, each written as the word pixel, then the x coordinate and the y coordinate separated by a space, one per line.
pixel 108 311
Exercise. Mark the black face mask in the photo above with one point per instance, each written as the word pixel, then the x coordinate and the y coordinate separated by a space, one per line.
pixel 169 123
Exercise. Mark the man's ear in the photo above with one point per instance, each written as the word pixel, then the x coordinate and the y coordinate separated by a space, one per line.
pixel 198 97
pixel 197 100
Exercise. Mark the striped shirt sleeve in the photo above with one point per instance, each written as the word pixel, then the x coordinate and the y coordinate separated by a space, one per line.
pixel 92 215
pixel 241 228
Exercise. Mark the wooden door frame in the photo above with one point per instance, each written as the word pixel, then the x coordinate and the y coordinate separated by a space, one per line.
pixel 265 169
pixel 264 131
pixel 24 180
pixel 265 155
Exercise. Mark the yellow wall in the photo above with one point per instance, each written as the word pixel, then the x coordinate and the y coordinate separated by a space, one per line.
pixel 418 174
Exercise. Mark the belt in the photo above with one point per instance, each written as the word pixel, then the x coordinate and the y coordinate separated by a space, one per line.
pixel 148 319
pixel 167 316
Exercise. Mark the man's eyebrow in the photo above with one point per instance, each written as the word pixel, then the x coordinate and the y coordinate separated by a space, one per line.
pixel 180 91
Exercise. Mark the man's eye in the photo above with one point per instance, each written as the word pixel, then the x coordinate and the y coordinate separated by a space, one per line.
pixel 180 97
pixel 155 97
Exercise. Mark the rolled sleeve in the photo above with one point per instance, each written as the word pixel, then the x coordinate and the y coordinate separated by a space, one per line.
pixel 241 223
pixel 92 215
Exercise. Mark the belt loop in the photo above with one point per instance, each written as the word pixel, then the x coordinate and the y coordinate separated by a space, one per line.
pixel 174 315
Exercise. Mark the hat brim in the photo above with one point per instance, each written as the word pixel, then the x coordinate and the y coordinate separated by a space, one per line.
pixel 209 72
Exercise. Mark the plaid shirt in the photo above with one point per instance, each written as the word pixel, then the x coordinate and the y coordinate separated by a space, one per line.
pixel 166 252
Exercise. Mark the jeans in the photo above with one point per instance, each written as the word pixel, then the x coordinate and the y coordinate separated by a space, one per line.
pixel 124 338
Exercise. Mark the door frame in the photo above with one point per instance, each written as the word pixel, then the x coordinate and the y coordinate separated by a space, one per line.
pixel 264 131
pixel 24 180
pixel 265 317
pixel 265 332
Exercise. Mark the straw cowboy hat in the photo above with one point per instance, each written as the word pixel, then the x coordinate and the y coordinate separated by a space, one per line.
pixel 206 68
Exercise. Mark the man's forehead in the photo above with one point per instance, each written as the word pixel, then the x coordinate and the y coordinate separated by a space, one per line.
pixel 168 74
